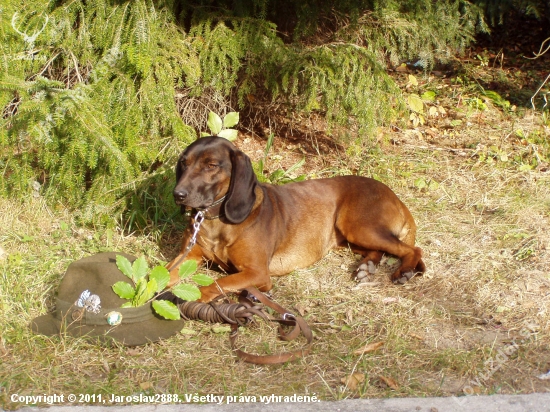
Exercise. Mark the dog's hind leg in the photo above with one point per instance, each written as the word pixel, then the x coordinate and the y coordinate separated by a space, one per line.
pixel 376 243
pixel 411 264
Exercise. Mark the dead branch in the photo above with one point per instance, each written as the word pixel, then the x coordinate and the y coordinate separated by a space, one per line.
pixel 541 52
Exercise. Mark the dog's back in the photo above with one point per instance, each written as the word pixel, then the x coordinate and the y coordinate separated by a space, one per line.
pixel 307 219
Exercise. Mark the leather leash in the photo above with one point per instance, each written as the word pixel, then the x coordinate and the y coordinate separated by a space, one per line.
pixel 243 312
pixel 297 323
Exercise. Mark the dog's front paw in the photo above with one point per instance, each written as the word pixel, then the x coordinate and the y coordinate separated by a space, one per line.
pixel 209 293
pixel 363 272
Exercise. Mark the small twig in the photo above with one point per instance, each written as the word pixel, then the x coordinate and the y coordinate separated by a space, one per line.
pixel 46 66
pixel 537 55
pixel 501 55
pixel 76 67
pixel 439 149
pixel 537 92
pixel 540 53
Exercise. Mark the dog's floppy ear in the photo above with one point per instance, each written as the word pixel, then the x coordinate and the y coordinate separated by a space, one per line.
pixel 240 196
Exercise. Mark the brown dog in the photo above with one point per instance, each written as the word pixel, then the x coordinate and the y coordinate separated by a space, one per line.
pixel 257 230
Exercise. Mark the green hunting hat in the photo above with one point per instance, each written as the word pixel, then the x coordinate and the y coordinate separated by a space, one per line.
pixel 87 306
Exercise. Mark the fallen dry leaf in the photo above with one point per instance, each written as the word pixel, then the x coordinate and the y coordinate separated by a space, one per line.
pixel 3 350
pixel 389 382
pixel 371 347
pixel 301 309
pixel 432 131
pixel 353 380
pixel 349 315
pixel 472 390
pixel 106 366
pixel 221 329
pixel 146 385
pixel 433 112
pixel 414 335
pixel 402 68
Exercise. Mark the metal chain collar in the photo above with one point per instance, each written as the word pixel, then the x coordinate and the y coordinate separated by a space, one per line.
pixel 197 222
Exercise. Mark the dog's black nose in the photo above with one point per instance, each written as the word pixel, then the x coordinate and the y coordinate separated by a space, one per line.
pixel 180 195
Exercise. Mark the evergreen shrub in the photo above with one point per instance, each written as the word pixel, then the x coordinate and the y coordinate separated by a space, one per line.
pixel 90 91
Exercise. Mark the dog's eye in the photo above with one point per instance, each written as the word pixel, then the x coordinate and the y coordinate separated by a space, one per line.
pixel 211 165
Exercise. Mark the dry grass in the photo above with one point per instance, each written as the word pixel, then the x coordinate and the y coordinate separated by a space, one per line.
pixel 485 231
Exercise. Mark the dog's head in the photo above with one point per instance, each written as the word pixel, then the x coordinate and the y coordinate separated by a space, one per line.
pixel 210 168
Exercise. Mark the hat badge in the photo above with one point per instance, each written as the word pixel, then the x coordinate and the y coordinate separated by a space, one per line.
pixel 90 303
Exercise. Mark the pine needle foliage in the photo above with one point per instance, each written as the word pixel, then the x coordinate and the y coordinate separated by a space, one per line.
pixel 89 107
pixel 87 88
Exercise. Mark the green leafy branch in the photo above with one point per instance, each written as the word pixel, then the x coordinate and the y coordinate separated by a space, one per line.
pixel 222 127
pixel 417 104
pixel 147 285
